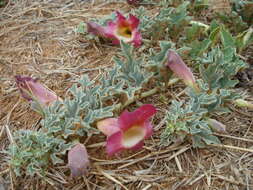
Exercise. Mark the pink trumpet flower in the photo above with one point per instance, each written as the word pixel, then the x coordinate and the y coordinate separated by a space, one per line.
pixel 33 91
pixel 177 66
pixel 78 160
pixel 125 29
pixel 129 130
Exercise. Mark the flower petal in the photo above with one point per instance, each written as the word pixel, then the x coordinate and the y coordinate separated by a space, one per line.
pixel 110 30
pixel 137 39
pixel 133 21
pixel 78 160
pixel 148 128
pixel 120 18
pixel 138 117
pixel 95 29
pixel 138 146
pixel 177 65
pixel 115 42
pixel 133 136
pixel 30 89
pixel 113 143
pixel 108 126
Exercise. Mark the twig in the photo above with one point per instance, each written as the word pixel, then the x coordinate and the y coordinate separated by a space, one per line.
pixel 232 147
pixel 110 177
pixel 171 148
pixel 233 137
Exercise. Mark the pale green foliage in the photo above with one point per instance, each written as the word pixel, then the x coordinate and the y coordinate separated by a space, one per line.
pixel 234 18
pixel 74 117
pixel 81 28
pixel 159 26
pixel 215 34
pixel 219 66
pixel 160 57
pixel 217 69
pixel 2 2
pixel 35 151
pixel 188 122
pixel 130 71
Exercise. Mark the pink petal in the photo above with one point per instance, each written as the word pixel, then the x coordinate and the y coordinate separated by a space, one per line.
pixel 115 42
pixel 177 65
pixel 78 160
pixel 113 143
pixel 120 18
pixel 137 40
pixel 95 29
pixel 149 129
pixel 108 126
pixel 138 117
pixel 110 30
pixel 32 90
pixel 138 146
pixel 133 21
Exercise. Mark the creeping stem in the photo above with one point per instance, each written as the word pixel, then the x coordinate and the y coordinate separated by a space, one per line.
pixel 148 93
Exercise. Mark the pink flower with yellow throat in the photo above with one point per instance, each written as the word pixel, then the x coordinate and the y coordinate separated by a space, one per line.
pixel 125 29
pixel 35 92
pixel 129 130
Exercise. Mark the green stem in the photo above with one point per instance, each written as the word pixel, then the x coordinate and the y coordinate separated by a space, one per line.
pixel 120 106
pixel 200 24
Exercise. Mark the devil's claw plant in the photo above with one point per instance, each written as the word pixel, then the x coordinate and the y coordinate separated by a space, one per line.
pixel 191 120
pixel 74 117
pixel 210 50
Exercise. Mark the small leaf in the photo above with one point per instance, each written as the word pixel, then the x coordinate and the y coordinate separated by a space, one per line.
pixel 80 28
pixel 226 38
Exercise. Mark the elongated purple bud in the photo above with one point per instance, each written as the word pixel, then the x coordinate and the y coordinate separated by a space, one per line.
pixel 95 29
pixel 32 90
pixel 78 160
pixel 177 65
pixel 216 126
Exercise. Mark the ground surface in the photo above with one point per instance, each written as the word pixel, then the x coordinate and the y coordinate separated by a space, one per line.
pixel 37 38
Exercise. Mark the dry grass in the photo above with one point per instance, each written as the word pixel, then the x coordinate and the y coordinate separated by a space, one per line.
pixel 37 38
